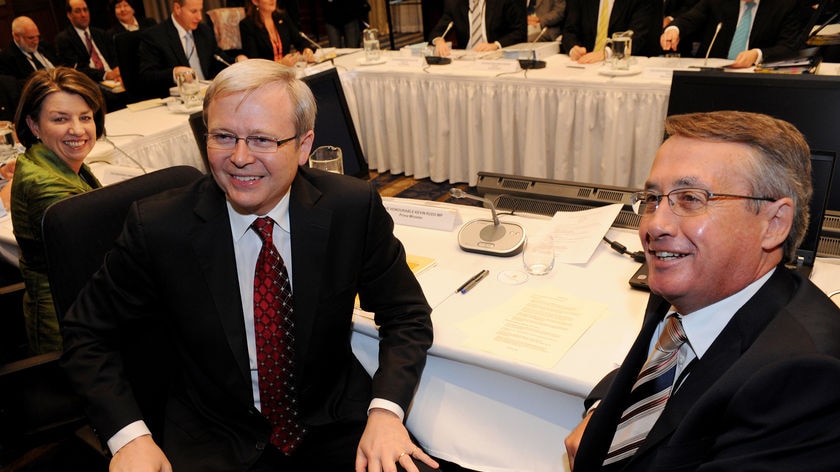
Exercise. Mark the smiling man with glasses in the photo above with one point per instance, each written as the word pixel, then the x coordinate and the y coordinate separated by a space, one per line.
pixel 256 268
pixel 736 366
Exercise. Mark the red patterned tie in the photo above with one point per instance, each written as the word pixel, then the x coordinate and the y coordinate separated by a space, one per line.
pixel 274 327
pixel 94 56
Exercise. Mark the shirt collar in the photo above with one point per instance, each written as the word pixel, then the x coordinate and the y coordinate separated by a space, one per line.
pixel 181 30
pixel 703 326
pixel 240 224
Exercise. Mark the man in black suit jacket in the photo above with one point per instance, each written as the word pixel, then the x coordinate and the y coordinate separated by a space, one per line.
pixel 776 30
pixel 73 52
pixel 188 257
pixel 755 387
pixel 644 17
pixel 505 23
pixel 163 50
pixel 25 54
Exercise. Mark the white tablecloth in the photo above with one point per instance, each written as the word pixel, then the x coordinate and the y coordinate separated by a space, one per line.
pixel 565 121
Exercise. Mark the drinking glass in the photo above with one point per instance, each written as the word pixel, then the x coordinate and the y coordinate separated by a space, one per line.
pixel 328 158
pixel 188 88
pixel 370 40
pixel 538 256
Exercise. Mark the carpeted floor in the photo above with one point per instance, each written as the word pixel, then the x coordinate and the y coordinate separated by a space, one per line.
pixel 399 185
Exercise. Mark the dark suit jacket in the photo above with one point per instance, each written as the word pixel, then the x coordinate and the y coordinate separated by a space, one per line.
pixel 72 52
pixel 504 20
pixel 161 51
pixel 551 14
pixel 257 44
pixel 763 397
pixel 776 27
pixel 14 63
pixel 175 260
pixel 644 17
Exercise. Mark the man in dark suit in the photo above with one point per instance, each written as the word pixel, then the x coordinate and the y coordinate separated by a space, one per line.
pixel 644 17
pixel 504 24
pixel 193 257
pixel 26 54
pixel 86 48
pixel 165 51
pixel 746 362
pixel 775 32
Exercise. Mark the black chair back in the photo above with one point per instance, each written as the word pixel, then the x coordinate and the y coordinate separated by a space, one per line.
pixel 126 45
pixel 77 233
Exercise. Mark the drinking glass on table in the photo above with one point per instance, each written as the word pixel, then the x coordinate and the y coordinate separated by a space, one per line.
pixel 328 158
pixel 370 41
pixel 538 256
pixel 188 88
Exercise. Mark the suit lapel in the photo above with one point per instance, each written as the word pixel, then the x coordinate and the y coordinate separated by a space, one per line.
pixel 310 228
pixel 213 245
pixel 175 42
pixel 738 335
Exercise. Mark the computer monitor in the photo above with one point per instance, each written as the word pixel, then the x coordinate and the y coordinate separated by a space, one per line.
pixel 809 102
pixel 333 124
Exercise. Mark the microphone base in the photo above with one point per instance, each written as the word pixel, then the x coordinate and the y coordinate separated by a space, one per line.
pixel 483 237
pixel 531 64
pixel 438 60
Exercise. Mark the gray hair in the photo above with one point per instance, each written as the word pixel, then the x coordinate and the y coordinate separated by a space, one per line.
pixel 780 163
pixel 253 74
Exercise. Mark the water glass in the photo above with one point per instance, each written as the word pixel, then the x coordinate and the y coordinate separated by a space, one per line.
pixel 370 41
pixel 621 45
pixel 189 88
pixel 538 256
pixel 327 158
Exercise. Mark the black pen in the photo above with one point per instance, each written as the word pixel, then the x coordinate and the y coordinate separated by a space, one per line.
pixel 474 280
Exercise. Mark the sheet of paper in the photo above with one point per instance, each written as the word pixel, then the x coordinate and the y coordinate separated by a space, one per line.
pixel 577 234
pixel 535 326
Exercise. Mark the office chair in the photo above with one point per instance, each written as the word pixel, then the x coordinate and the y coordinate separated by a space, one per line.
pixel 77 233
pixel 199 129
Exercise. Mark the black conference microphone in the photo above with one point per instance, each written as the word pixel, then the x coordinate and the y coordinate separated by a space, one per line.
pixel 709 50
pixel 219 58
pixel 440 60
pixel 489 236
pixel 533 63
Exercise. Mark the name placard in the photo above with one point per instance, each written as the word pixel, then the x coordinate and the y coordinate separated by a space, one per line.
pixel 406 61
pixel 497 65
pixel 423 216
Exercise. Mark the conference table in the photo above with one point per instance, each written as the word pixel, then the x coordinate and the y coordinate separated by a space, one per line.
pixel 565 121
pixel 482 401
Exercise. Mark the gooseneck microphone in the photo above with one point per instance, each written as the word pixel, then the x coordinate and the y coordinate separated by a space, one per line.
pixel 491 237
pixel 533 63
pixel 304 36
pixel 712 43
pixel 219 58
pixel 446 31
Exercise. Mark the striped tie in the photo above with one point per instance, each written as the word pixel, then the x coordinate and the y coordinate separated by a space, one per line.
pixel 649 394
pixel 742 32
pixel 476 24
pixel 603 26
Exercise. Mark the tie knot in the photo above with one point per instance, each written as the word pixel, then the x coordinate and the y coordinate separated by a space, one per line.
pixel 264 227
pixel 673 336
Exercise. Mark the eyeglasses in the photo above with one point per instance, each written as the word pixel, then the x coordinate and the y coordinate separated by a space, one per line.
pixel 227 142
pixel 683 201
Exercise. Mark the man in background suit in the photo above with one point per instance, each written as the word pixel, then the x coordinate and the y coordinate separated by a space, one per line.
pixel 644 17
pixel 775 32
pixel 754 385
pixel 98 59
pixel 192 258
pixel 504 24
pixel 26 54
pixel 165 52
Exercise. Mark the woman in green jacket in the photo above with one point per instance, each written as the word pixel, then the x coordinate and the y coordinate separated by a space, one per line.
pixel 59 118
